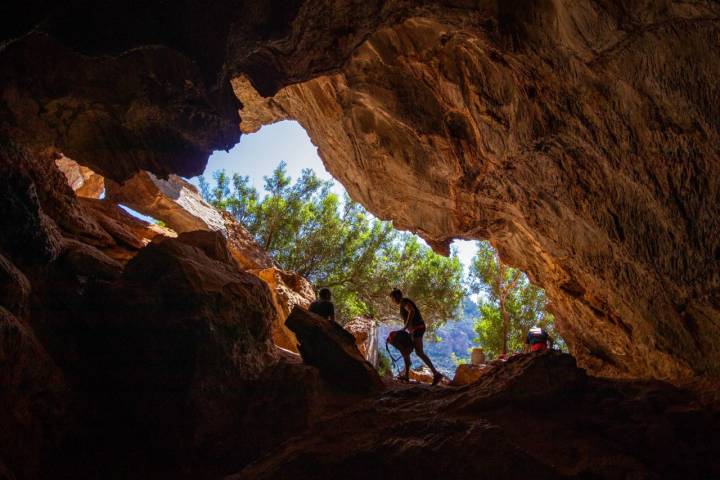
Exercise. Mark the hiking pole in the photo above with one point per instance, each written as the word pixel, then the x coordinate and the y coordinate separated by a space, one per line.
pixel 394 360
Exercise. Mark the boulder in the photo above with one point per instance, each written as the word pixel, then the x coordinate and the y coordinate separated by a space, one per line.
pixel 174 344
pixel 524 378
pixel 332 349
pixel 34 401
pixel 288 290
pixel 421 375
pixel 467 373
pixel 365 330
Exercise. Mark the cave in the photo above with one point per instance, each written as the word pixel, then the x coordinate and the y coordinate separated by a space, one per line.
pixel 581 138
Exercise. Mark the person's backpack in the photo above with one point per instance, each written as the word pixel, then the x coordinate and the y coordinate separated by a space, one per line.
pixel 537 335
pixel 401 340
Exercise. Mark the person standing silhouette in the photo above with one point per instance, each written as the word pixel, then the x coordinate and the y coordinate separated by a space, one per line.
pixel 415 326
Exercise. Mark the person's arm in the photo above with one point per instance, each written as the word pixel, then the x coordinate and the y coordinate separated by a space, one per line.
pixel 527 343
pixel 411 314
pixel 332 312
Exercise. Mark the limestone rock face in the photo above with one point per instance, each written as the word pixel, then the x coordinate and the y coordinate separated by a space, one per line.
pixel 581 148
pixel 128 234
pixel 14 287
pixel 82 180
pixel 174 201
pixel 179 205
pixel 288 290
pixel 135 108
pixel 42 210
pixel 581 138
pixel 327 346
pixel 365 331
pixel 246 252
pixel 27 233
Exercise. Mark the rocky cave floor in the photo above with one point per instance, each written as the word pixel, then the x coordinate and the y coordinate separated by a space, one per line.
pixel 537 416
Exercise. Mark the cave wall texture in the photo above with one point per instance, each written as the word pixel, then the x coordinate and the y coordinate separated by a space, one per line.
pixel 581 137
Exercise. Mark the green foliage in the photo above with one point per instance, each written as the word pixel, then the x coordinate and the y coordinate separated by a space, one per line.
pixel 457 361
pixel 454 339
pixel 505 288
pixel 335 243
pixel 384 365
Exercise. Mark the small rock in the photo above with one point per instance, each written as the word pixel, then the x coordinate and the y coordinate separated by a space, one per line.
pixel 467 373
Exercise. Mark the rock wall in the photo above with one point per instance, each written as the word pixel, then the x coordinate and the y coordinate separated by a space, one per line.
pixel 580 145
pixel 288 289
pixel 580 137
pixel 119 340
pixel 178 204
pixel 365 331
pixel 83 181
pixel 34 401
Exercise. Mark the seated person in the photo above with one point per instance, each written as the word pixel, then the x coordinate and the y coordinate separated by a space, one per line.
pixel 324 306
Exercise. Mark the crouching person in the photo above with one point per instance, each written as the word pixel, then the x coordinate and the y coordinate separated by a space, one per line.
pixel 537 340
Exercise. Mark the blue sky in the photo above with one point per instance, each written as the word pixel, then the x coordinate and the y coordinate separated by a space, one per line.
pixel 257 154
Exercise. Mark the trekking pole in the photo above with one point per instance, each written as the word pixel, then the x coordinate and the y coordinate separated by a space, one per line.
pixel 394 360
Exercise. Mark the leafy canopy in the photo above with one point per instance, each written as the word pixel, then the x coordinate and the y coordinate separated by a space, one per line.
pixel 335 243
pixel 506 294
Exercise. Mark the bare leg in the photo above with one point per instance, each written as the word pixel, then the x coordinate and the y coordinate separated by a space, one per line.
pixel 406 359
pixel 421 353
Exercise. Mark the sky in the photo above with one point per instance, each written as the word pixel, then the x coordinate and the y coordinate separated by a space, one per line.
pixel 257 154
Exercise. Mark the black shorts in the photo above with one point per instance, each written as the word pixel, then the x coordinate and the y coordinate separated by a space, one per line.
pixel 418 332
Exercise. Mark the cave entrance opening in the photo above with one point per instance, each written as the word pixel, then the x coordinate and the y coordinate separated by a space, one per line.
pixel 146 218
pixel 264 181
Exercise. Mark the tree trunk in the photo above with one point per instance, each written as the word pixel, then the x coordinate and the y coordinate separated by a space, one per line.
pixel 506 325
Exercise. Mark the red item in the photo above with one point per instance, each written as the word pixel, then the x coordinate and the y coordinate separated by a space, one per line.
pixel 538 347
pixel 416 328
